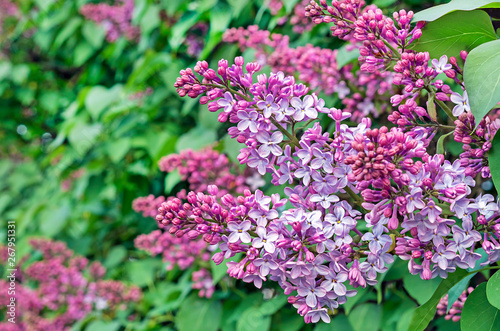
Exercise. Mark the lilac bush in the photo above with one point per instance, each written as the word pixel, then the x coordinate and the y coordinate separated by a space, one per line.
pixel 361 195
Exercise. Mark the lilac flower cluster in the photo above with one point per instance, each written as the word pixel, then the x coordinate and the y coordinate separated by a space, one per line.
pixel 317 67
pixel 456 308
pixel 62 294
pixel 385 41
pixel 116 19
pixel 407 196
pixel 199 169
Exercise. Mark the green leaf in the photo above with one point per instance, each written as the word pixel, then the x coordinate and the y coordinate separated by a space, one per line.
pixel 118 149
pixel 180 28
pixel 83 136
pixel 53 219
pixel 345 56
pixel 493 290
pixel 94 33
pixel 440 143
pixel 142 272
pixel 253 319
pixel 83 51
pixel 115 256
pixel 220 16
pixel 478 314
pixel 424 314
pixel 272 306
pixel 237 6
pixel 455 32
pixel 68 30
pixel 172 179
pixel 196 139
pixel 150 20
pixel 366 317
pixel 494 160
pixel 99 98
pixel 219 271
pixel 383 3
pixel 420 289
pixel 431 107
pixel 482 78
pixel 289 5
pixel 103 326
pixel 456 291
pixel 231 148
pixel 20 73
pixel 197 314
pixel 339 322
pixel 436 12
pixel 351 301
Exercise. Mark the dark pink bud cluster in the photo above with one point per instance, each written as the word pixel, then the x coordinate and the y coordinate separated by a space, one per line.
pixel 456 309
pixel 383 155
pixel 199 169
pixel 476 143
pixel 116 19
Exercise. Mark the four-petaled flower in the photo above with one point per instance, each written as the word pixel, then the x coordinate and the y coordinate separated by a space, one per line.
pixel 268 106
pixel 462 103
pixel 266 240
pixel 227 102
pixel 270 143
pixel 442 64
pixel 239 232
pixel 304 108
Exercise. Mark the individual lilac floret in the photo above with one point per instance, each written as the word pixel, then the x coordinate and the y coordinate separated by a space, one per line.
pixel 268 106
pixel 442 65
pixel 462 103
pixel 304 108
pixel 270 143
pixel 227 102
pixel 239 231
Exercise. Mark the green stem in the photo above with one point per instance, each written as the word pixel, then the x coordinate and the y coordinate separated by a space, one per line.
pixel 394 51
pixel 292 138
pixel 446 109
